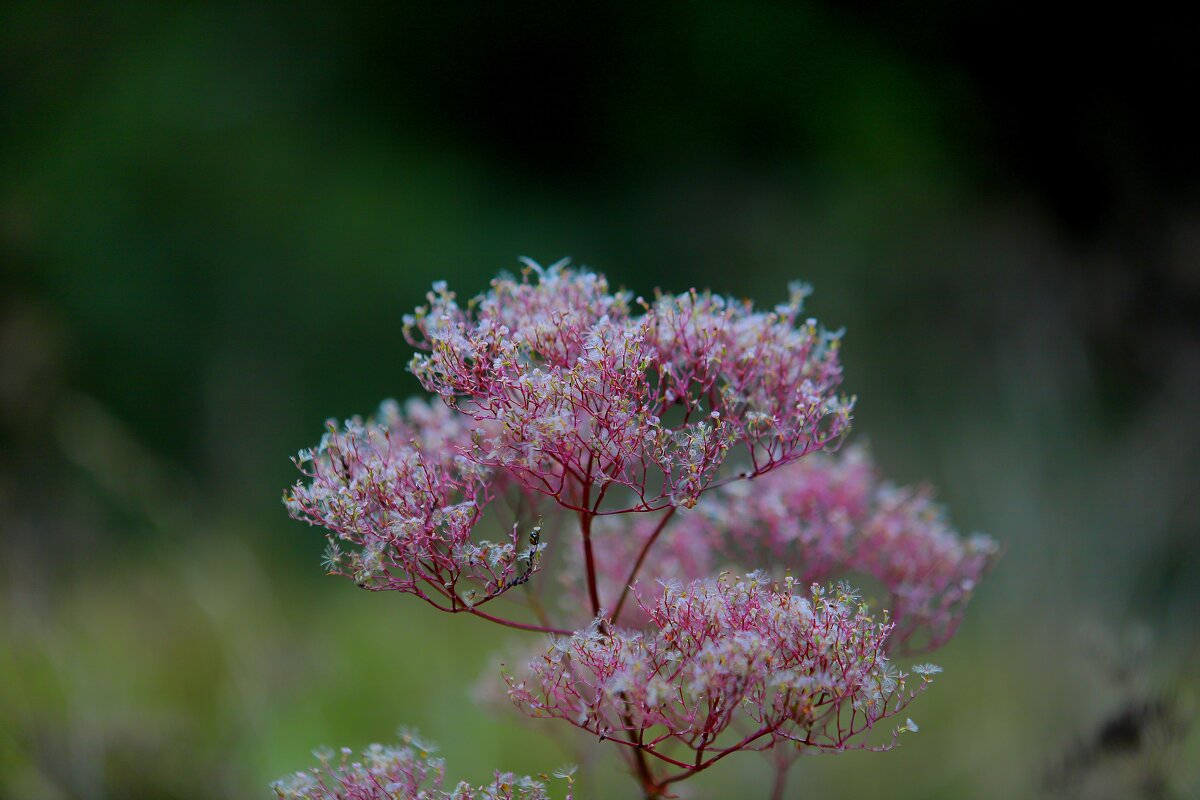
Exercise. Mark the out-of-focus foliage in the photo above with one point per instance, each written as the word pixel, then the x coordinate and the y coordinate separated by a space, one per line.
pixel 212 218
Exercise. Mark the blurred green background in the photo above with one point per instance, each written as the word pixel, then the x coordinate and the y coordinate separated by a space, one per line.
pixel 212 217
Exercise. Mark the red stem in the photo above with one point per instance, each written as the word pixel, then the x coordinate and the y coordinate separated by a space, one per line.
pixel 523 626
pixel 705 765
pixel 585 528
pixel 637 565
pixel 651 787
pixel 781 775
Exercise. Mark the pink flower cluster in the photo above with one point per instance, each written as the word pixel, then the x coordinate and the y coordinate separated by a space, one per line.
pixel 600 389
pixel 828 516
pixel 407 771
pixel 398 490
pixel 565 404
pixel 728 664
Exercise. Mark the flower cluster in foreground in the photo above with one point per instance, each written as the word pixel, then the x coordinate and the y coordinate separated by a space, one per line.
pixel 649 452
pixel 405 771
pixel 805 669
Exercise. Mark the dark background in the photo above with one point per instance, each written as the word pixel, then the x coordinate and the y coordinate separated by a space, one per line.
pixel 213 216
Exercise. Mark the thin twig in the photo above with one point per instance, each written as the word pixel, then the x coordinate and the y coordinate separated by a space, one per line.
pixel 637 565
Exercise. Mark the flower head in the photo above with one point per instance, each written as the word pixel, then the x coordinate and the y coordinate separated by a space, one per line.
pixel 720 655
pixel 399 491
pixel 594 387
